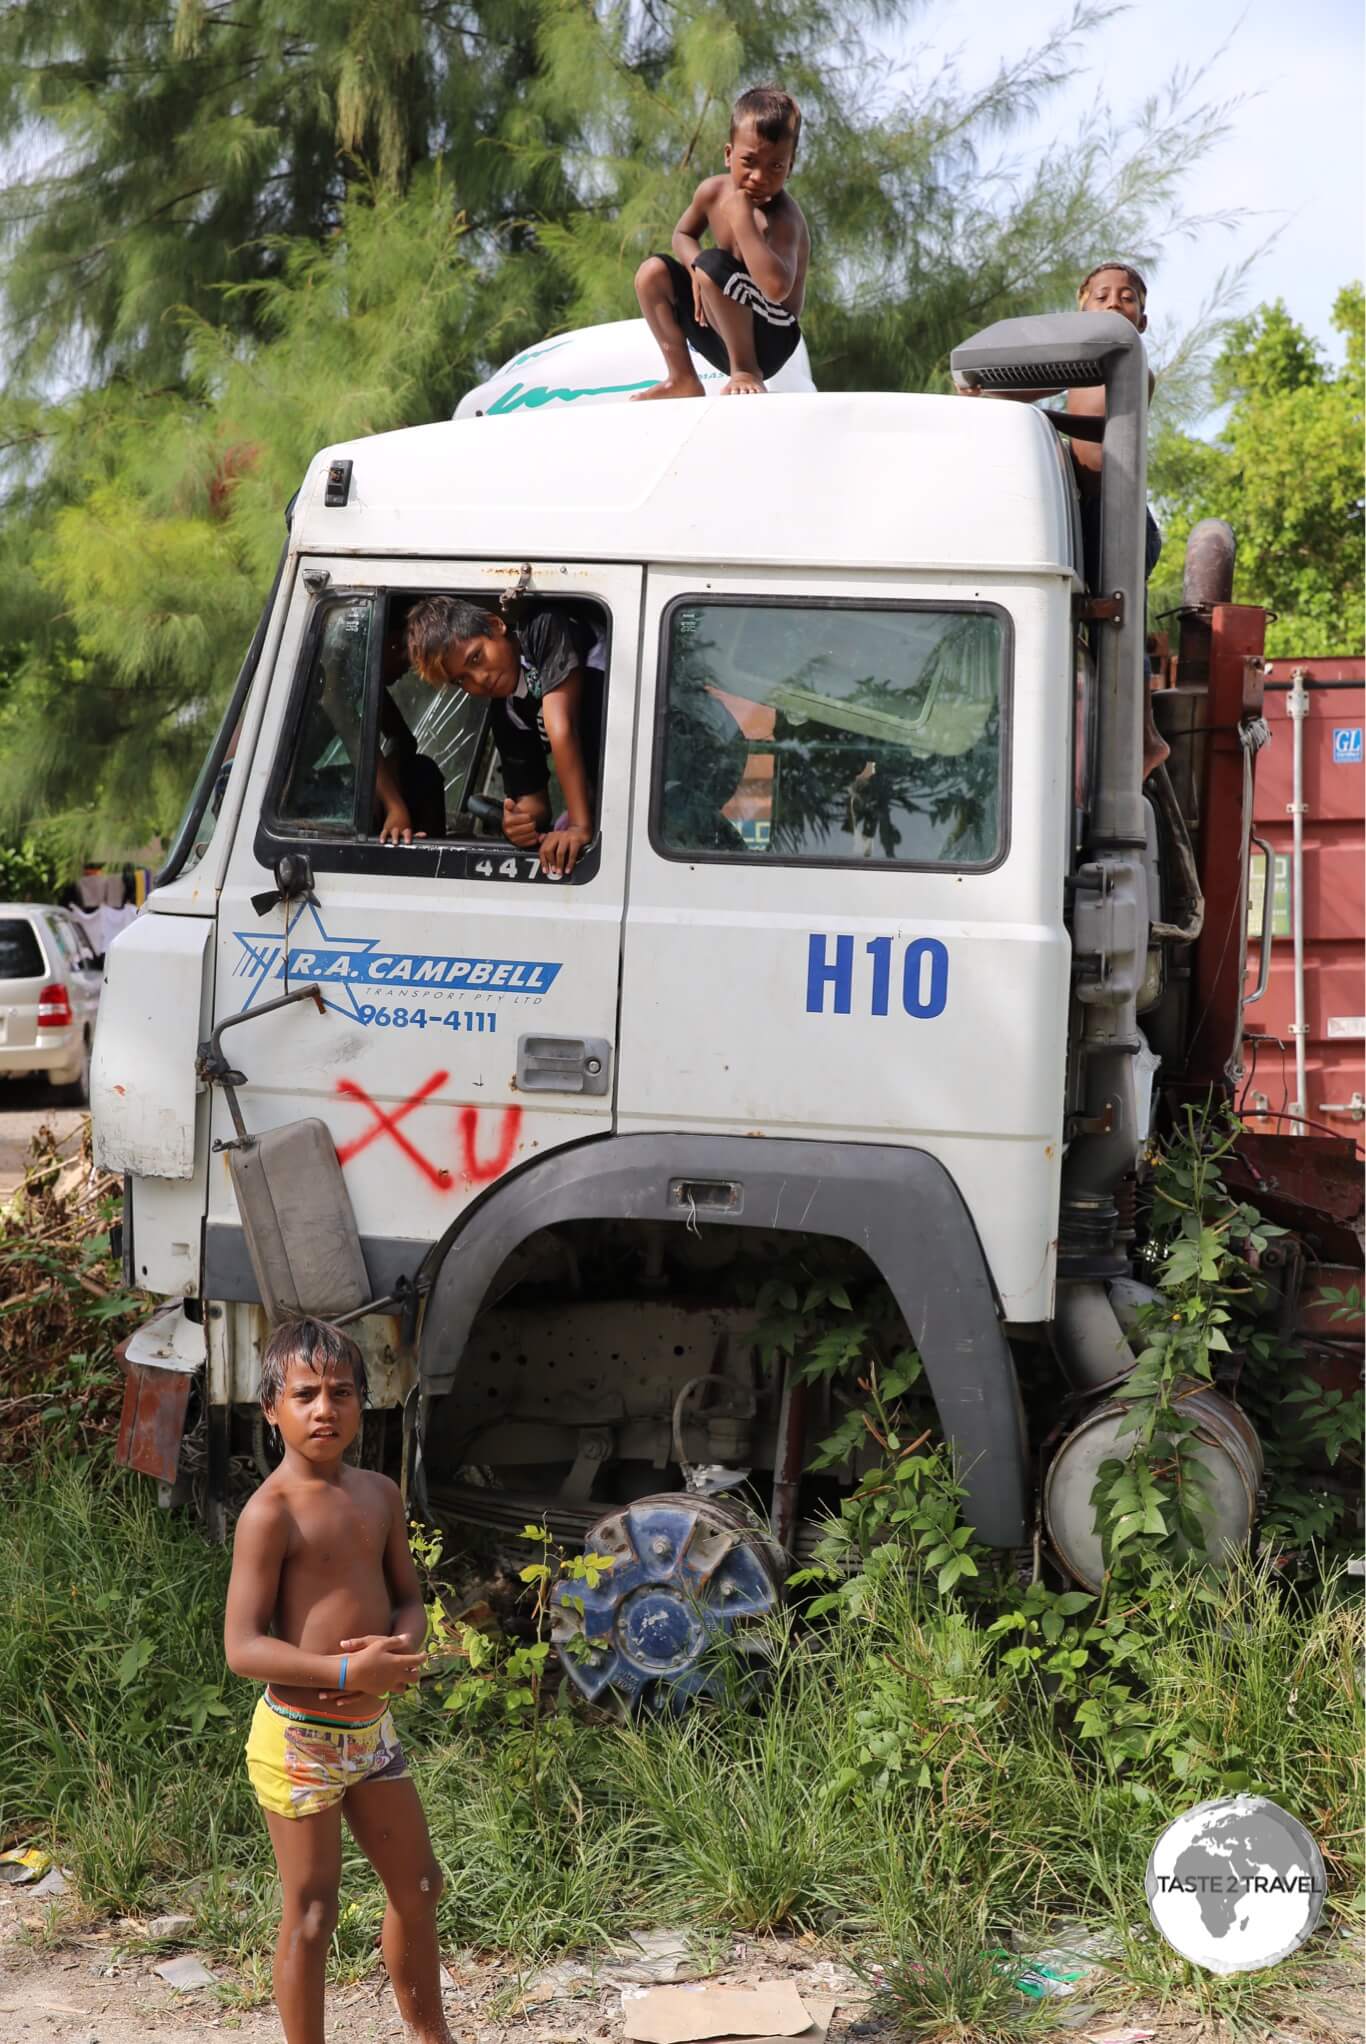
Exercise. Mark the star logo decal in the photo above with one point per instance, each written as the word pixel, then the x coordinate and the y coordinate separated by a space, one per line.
pixel 313 954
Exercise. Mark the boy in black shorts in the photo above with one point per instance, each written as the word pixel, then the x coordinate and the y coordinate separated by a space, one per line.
pixel 539 682
pixel 737 303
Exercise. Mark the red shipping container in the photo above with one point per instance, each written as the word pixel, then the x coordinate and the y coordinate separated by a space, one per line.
pixel 1334 908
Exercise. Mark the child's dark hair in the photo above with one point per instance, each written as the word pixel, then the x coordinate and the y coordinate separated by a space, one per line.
pixel 439 621
pixel 772 113
pixel 1136 278
pixel 319 1346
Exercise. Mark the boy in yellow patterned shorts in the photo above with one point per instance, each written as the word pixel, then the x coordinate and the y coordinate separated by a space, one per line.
pixel 325 1608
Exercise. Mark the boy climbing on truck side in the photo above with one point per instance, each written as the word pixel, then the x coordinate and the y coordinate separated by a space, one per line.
pixel 737 304
pixel 543 686
pixel 325 1609
pixel 1109 286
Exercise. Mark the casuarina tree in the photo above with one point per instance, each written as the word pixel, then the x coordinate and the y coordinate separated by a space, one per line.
pixel 237 230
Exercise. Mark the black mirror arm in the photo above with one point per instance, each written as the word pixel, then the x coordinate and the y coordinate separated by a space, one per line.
pixel 212 1066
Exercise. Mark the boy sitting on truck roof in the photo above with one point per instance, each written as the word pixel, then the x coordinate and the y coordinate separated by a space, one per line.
pixel 534 681
pixel 737 303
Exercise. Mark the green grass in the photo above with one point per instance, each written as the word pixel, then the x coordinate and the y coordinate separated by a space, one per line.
pixel 897 1791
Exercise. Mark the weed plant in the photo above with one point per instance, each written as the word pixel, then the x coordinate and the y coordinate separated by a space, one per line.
pixel 900 1786
pixel 931 1761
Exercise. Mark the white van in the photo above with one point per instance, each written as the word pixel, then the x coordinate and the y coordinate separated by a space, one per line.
pixel 850 966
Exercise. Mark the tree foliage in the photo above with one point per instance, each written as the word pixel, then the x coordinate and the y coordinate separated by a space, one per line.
pixel 172 149
pixel 155 516
pixel 243 229
pixel 1285 470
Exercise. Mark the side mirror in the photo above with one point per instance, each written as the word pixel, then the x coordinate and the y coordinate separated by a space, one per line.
pixel 293 882
pixel 294 876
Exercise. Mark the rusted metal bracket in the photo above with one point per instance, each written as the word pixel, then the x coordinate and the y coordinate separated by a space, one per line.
pixel 1102 1124
pixel 1098 610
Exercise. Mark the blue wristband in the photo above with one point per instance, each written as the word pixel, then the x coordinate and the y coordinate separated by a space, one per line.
pixel 341 1679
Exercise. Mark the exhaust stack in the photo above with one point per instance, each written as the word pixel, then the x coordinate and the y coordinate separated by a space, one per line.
pixel 1110 902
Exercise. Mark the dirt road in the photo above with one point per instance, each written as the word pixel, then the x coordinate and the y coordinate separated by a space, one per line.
pixel 25 1105
pixel 65 1979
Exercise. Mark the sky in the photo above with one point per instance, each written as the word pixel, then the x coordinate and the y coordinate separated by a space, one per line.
pixel 1292 159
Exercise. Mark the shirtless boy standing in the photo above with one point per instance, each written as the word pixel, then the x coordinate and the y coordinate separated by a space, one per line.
pixel 737 303
pixel 325 1608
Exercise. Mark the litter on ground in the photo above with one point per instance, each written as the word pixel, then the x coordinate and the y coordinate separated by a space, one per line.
pixel 687 2015
pixel 187 1973
pixel 169 1926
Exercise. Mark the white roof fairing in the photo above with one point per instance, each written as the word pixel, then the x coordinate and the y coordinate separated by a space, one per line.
pixel 840 480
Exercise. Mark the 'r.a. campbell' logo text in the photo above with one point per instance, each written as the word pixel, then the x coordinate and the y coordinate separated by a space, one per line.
pixel 344 966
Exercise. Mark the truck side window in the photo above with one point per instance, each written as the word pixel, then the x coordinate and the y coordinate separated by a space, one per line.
pixel 434 757
pixel 825 733
pixel 319 793
pixel 446 728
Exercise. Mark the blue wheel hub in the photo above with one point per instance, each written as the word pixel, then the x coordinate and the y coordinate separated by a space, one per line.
pixel 685 1571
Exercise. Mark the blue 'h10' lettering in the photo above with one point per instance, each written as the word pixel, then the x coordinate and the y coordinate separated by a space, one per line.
pixel 924 977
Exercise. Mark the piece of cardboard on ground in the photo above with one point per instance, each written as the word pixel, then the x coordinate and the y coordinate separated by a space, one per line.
pixel 821 2009
pixel 187 1974
pixel 690 2015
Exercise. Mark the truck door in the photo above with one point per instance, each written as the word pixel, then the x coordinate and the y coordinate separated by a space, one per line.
pixel 471 1002
pixel 831 934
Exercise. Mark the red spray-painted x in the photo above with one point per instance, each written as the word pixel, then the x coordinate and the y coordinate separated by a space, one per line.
pixel 388 1124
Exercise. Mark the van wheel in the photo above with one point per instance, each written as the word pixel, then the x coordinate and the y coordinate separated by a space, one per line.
pixel 76 1092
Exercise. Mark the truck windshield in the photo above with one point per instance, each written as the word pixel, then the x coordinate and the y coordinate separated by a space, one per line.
pixel 200 814
pixel 831 733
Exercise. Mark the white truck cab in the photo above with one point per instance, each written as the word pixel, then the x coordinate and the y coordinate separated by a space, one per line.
pixel 817 977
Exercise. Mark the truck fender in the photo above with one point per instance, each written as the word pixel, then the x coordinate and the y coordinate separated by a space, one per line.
pixel 900 1206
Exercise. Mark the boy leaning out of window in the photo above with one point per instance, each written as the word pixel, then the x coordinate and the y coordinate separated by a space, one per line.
pixel 534 679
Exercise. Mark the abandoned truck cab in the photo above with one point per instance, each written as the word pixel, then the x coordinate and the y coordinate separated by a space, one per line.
pixel 852 960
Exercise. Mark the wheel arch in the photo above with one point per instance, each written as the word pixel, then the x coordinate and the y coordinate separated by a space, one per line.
pixel 900 1206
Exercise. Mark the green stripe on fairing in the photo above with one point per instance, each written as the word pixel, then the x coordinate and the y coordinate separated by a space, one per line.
pixel 537 394
pixel 535 354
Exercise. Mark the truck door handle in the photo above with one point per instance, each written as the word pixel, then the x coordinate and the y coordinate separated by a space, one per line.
pixel 563 1064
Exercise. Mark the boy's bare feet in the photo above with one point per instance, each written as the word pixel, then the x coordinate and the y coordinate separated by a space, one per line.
pixel 673 386
pixel 744 384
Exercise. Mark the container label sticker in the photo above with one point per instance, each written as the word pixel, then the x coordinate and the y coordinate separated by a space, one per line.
pixel 1347 1025
pixel 1256 895
pixel 1347 749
